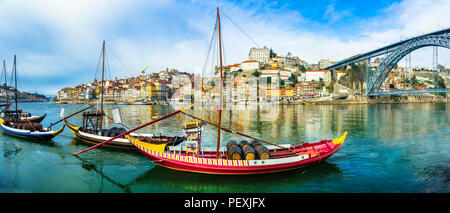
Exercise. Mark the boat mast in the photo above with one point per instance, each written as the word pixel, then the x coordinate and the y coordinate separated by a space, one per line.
pixel 101 95
pixel 220 87
pixel 6 87
pixel 15 81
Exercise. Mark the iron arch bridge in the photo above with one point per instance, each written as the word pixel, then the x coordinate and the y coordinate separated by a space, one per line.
pixel 395 52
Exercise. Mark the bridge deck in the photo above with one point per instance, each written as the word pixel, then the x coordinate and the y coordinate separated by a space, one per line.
pixel 403 92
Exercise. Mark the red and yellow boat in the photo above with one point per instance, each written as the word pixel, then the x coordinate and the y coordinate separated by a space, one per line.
pixel 281 159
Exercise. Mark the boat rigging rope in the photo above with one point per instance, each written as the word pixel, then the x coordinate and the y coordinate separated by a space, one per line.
pixel 241 29
pixel 120 62
pixel 209 49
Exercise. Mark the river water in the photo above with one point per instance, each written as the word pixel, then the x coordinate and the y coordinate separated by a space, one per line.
pixel 389 148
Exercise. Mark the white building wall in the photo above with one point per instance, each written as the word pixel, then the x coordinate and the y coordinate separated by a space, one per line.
pixel 250 65
pixel 316 75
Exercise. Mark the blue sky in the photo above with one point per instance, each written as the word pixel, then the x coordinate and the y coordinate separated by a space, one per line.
pixel 58 42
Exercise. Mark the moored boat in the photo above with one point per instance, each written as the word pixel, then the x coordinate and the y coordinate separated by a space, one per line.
pixel 21 117
pixel 17 115
pixel 29 130
pixel 96 137
pixel 92 130
pixel 281 159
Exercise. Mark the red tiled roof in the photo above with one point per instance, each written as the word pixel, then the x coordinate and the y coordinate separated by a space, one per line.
pixel 249 61
pixel 317 71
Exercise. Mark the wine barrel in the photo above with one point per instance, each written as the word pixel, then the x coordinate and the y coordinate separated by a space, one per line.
pixel 27 126
pixel 255 143
pixel 231 143
pixel 249 153
pixel 121 130
pixel 37 126
pixel 112 132
pixel 263 152
pixel 235 153
pixel 104 132
pixel 244 144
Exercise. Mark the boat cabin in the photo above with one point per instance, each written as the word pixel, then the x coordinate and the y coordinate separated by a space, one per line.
pixel 91 122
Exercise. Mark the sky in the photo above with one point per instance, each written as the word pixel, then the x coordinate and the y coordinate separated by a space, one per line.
pixel 58 43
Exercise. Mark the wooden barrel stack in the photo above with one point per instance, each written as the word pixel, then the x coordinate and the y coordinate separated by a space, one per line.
pixel 247 151
pixel 27 126
pixel 234 150
pixel 262 151
pixel 112 132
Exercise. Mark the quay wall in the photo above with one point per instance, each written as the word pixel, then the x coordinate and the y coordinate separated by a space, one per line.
pixel 389 99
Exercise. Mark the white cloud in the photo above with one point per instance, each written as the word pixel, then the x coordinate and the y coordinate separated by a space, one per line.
pixel 56 39
pixel 332 15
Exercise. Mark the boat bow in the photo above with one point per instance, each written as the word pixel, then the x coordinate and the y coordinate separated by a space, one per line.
pixel 58 131
pixel 146 146
pixel 74 129
pixel 340 140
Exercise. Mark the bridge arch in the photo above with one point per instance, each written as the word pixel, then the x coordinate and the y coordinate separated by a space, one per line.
pixel 377 77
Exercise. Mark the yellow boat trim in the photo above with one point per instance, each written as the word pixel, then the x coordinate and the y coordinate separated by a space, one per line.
pixel 340 140
pixel 59 131
pixel 71 127
pixel 159 148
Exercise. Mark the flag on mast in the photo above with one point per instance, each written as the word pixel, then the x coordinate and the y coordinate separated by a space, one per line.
pixel 116 115
pixel 61 113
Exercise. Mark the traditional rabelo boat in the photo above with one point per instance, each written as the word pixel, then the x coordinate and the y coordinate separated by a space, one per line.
pixel 17 123
pixel 93 132
pixel 30 130
pixel 278 158
pixel 17 115
pixel 242 158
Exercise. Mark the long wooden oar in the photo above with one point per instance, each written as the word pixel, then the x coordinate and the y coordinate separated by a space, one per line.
pixel 139 127
pixel 52 124
pixel 235 132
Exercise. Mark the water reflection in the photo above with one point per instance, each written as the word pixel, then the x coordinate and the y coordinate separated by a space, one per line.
pixel 390 148
pixel 160 179
pixel 296 123
pixel 85 164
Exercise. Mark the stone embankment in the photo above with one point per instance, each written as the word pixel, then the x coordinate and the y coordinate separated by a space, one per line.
pixel 388 99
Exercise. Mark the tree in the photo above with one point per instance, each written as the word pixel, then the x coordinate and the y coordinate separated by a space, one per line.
pixel 302 68
pixel 256 73
pixel 272 53
pixel 269 80
pixel 321 83
pixel 293 79
pixel 413 81
pixel 330 88
pixel 355 76
pixel 441 83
